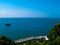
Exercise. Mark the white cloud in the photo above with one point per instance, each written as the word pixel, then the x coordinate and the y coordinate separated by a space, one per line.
pixel 10 11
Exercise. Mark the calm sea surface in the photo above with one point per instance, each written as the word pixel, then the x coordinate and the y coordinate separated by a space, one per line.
pixel 26 27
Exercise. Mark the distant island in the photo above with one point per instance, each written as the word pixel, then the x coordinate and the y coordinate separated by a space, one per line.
pixel 54 38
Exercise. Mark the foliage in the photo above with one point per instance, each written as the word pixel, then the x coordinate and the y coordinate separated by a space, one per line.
pixel 54 35
pixel 5 41
pixel 54 32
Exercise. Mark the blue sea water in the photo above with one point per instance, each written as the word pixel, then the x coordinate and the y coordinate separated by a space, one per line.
pixel 26 27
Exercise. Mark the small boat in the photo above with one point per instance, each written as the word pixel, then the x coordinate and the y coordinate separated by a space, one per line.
pixel 7 24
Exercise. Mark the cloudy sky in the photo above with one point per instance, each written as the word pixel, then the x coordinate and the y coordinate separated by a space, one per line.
pixel 30 8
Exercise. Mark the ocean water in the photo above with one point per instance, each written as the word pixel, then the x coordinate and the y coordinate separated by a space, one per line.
pixel 26 27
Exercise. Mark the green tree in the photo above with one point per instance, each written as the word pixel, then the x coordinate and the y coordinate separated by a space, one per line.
pixel 5 41
pixel 54 32
pixel 57 41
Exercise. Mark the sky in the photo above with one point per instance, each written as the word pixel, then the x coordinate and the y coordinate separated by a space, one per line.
pixel 30 8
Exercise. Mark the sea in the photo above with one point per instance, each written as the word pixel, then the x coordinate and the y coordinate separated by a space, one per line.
pixel 26 27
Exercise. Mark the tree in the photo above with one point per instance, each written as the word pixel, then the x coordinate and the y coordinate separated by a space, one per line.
pixel 57 41
pixel 5 41
pixel 54 32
